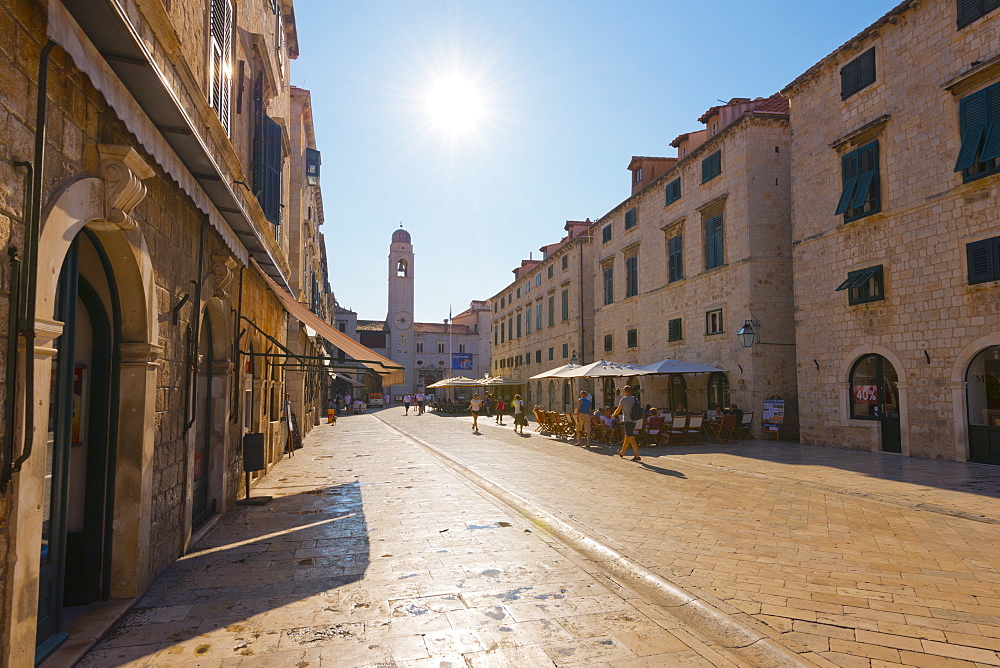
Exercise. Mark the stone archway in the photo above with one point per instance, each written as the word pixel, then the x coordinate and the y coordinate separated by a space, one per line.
pixel 902 386
pixel 959 386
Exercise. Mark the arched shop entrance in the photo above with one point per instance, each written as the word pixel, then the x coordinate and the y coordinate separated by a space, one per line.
pixel 875 396
pixel 718 391
pixel 983 398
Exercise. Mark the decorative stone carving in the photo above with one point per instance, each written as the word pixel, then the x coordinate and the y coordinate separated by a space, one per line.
pixel 123 172
pixel 223 268
pixel 139 353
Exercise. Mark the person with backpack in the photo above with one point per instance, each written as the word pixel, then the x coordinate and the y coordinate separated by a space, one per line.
pixel 631 412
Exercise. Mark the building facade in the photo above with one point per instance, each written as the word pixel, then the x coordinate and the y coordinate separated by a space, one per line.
pixel 896 166
pixel 543 319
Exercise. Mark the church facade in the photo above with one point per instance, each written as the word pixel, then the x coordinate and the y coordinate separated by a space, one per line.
pixel 430 351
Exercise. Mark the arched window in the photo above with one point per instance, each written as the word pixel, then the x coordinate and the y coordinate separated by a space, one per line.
pixel 402 269
pixel 982 381
pixel 718 391
pixel 873 389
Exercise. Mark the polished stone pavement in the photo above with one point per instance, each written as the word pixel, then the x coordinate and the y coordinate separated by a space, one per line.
pixel 374 553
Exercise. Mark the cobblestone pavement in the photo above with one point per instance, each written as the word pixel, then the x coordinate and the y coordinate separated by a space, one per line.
pixel 849 558
pixel 372 553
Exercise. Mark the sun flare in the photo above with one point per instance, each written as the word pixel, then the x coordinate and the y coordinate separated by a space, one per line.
pixel 455 104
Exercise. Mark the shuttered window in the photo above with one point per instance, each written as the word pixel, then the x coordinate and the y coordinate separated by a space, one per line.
pixel 632 276
pixel 565 305
pixel 857 74
pixel 221 63
pixel 632 338
pixel 860 177
pixel 675 259
pixel 674 332
pixel 609 342
pixel 970 10
pixel 864 285
pixel 630 218
pixel 267 157
pixel 979 124
pixel 672 191
pixel 606 233
pixel 714 248
pixel 711 167
pixel 609 285
pixel 984 260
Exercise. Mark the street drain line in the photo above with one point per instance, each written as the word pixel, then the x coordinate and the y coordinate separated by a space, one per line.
pixel 728 632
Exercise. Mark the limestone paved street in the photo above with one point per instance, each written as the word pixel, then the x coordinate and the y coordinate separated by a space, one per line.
pixel 850 558
pixel 374 554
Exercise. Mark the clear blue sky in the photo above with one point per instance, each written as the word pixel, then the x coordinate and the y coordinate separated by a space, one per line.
pixel 571 90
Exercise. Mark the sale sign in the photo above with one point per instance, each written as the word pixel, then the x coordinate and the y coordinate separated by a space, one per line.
pixel 866 394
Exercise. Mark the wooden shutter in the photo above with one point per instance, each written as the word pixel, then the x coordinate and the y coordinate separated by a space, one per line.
pixel 970 10
pixel 849 174
pixel 630 218
pixel 270 194
pixel 221 64
pixel 674 252
pixel 706 169
pixel 984 260
pixel 713 242
pixel 867 162
pixel 991 142
pixel 973 112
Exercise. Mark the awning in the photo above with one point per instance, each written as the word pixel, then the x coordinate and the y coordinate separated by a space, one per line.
pixel 677 366
pixel 605 369
pixel 348 380
pixel 391 372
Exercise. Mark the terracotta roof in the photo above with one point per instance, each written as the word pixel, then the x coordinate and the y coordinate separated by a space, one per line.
pixel 636 159
pixel 440 328
pixel 776 104
pixel 681 137
pixel 372 326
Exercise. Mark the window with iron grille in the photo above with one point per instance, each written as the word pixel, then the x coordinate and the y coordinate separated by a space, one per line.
pixel 609 342
pixel 632 276
pixel 970 10
pixel 984 260
pixel 609 285
pixel 674 332
pixel 606 233
pixel 630 218
pixel 864 285
pixel 979 124
pixel 675 258
pixel 672 191
pixel 221 59
pixel 711 167
pixel 860 196
pixel 857 74
pixel 632 337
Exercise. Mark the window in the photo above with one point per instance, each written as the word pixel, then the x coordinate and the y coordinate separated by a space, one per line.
pixel 550 271
pixel 714 248
pixel 674 332
pixel 552 311
pixel 984 260
pixel 510 329
pixel 874 393
pixel 970 10
pixel 864 285
pixel 495 305
pixel 503 301
pixel 630 218
pixel 221 64
pixel 517 361
pixel 461 347
pixel 538 279
pixel 538 316
pixel 673 191
pixel 527 358
pixel 527 320
pixel 859 170
pixel 503 363
pixel 267 157
pixel 420 346
pixel 711 167
pixel 552 355
pixel 503 333
pixel 713 322
pixel 496 336
pixel 518 325
pixel 637 175
pixel 527 287
pixel 675 258
pixel 857 74
pixel 632 276
pixel 342 326
pixel 538 356
pixel 565 305
pixel 565 262
pixel 440 349
pixel 609 342
pixel 565 350
pixel 519 293
pixel 609 284
pixel 606 233
pixel 632 338
pixel 979 123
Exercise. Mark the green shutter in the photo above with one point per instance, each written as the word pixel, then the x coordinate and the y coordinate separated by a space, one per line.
pixel 982 260
pixel 973 112
pixel 991 142
pixel 271 194
pixel 868 169
pixel 849 172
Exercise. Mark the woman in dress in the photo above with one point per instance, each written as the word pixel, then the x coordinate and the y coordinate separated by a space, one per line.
pixel 520 417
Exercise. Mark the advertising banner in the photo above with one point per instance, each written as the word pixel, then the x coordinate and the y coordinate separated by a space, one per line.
pixel 461 361
pixel 866 394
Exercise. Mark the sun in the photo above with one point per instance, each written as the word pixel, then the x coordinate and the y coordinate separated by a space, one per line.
pixel 455 104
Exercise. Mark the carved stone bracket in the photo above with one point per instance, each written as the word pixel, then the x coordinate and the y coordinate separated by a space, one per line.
pixel 123 172
pixel 140 354
pixel 223 268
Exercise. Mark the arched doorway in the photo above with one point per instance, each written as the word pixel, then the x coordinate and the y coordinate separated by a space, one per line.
pixel 982 382
pixel 875 396
pixel 678 392
pixel 78 508
pixel 718 391
pixel 201 507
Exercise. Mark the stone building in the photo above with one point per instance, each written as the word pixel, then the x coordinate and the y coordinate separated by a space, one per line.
pixel 896 164
pixel 544 318
pixel 428 351
pixel 702 246
pixel 145 199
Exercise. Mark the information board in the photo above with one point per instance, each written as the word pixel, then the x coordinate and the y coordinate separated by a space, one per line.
pixel 774 412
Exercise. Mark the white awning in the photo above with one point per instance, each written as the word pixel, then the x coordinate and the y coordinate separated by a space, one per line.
pixel 391 372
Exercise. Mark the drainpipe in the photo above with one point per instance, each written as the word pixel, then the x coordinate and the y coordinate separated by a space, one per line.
pixel 30 266
pixel 196 324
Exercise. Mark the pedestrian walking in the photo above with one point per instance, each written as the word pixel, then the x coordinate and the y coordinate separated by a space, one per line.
pixel 520 416
pixel 583 406
pixel 475 406
pixel 631 412
pixel 488 404
pixel 500 407
pixel 407 400
pixel 421 397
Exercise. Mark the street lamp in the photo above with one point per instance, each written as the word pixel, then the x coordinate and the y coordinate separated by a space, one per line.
pixel 746 335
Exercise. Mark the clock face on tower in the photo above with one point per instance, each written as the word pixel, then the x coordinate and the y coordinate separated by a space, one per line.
pixel 402 320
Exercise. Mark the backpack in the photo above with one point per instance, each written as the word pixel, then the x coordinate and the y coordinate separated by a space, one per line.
pixel 637 414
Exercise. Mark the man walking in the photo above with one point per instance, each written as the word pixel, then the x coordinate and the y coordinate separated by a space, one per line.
pixel 627 408
pixel 421 397
pixel 583 417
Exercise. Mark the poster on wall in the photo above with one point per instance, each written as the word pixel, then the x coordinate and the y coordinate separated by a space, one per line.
pixel 865 394
pixel 461 361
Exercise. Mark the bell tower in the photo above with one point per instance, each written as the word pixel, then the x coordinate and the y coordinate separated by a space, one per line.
pixel 400 316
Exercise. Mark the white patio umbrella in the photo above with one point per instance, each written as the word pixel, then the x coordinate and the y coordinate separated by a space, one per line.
pixel 603 369
pixel 558 372
pixel 455 381
pixel 677 366
pixel 498 381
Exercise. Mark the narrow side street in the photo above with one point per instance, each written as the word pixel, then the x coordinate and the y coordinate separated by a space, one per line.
pixel 372 553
